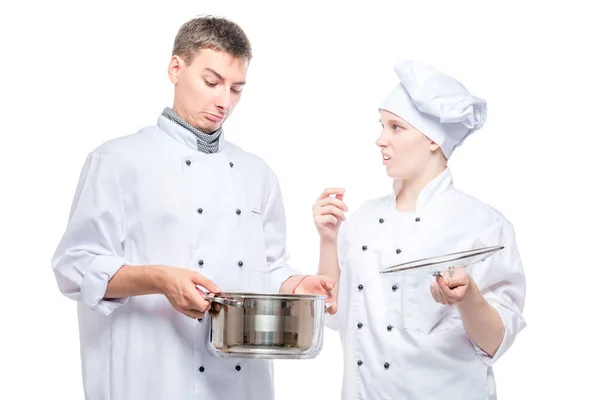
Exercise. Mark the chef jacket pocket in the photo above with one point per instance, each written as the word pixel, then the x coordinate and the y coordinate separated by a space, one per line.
pixel 256 241
pixel 420 312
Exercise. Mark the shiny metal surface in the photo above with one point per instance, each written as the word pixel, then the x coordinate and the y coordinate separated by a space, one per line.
pixel 459 259
pixel 267 326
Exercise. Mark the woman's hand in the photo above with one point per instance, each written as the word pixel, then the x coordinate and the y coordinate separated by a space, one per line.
pixel 328 213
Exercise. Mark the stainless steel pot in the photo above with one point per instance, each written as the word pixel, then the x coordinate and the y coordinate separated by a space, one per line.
pixel 275 326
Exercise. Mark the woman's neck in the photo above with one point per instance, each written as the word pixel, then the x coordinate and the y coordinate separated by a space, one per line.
pixel 410 189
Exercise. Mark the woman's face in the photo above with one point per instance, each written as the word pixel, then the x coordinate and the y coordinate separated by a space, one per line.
pixel 406 152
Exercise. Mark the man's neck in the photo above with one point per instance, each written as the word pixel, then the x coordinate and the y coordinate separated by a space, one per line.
pixel 206 143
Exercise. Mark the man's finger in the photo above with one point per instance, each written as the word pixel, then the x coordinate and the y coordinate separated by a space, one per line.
pixel 333 308
pixel 206 283
pixel 195 314
pixel 198 302
pixel 327 285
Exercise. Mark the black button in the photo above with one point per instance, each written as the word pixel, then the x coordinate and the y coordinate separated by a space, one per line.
pixel 417 219
pixel 188 162
pixel 238 211
pixel 386 365
pixel 200 211
pixel 201 369
pixel 381 220
pixel 359 363
pixel 231 164
pixel 238 368
pixel 199 319
pixel 398 251
pixel 360 287
pixel 395 287
pixel 200 262
pixel 360 325
pixel 240 264
pixel 389 328
pixel 364 248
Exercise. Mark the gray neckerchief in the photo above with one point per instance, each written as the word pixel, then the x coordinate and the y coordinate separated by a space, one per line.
pixel 206 143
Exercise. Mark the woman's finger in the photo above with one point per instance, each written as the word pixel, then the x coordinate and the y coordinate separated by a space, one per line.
pixel 435 293
pixel 331 210
pixel 329 191
pixel 443 299
pixel 334 202
pixel 325 220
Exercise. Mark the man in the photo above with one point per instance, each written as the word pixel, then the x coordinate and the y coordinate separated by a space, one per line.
pixel 165 210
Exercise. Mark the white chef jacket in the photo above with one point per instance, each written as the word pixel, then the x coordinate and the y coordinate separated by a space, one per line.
pixel 398 342
pixel 152 198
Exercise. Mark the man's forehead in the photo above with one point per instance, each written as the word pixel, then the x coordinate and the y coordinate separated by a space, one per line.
pixel 214 56
pixel 222 65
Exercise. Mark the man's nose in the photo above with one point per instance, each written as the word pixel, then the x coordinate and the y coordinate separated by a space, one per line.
pixel 223 100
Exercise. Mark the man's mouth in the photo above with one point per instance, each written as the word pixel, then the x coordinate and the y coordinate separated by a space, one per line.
pixel 214 117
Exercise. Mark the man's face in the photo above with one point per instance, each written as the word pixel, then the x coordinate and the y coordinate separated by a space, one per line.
pixel 207 90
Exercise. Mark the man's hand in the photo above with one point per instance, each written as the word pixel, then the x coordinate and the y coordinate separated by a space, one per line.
pixel 179 287
pixel 319 284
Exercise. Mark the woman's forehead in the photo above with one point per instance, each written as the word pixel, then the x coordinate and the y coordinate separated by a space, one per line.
pixel 386 116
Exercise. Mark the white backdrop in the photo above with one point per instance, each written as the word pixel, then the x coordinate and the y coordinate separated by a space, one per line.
pixel 75 74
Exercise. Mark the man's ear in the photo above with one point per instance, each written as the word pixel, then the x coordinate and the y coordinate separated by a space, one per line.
pixel 174 68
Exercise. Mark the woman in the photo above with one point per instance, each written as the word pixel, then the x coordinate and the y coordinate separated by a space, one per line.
pixel 409 335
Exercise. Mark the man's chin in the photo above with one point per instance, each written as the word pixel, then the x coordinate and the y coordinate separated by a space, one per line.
pixel 209 127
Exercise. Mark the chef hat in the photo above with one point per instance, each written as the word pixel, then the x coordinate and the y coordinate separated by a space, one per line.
pixel 437 105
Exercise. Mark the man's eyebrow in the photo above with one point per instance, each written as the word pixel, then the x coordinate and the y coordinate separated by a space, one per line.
pixel 212 71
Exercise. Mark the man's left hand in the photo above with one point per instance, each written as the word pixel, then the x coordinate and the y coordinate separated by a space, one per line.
pixel 319 285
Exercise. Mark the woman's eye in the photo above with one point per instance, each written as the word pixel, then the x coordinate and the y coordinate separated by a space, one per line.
pixel 210 84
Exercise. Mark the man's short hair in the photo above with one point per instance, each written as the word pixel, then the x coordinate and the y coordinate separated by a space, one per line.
pixel 214 33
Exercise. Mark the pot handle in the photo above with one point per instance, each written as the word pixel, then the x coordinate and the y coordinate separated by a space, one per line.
pixel 225 301
pixel 221 300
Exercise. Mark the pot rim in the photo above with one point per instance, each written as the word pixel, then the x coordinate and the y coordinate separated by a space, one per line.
pixel 270 296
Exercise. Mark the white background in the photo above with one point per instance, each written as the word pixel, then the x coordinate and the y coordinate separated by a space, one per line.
pixel 75 74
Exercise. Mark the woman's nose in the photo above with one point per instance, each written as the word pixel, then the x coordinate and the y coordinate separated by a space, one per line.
pixel 381 141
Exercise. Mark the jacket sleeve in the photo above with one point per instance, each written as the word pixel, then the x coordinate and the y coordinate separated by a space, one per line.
pixel 501 280
pixel 274 228
pixel 91 249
